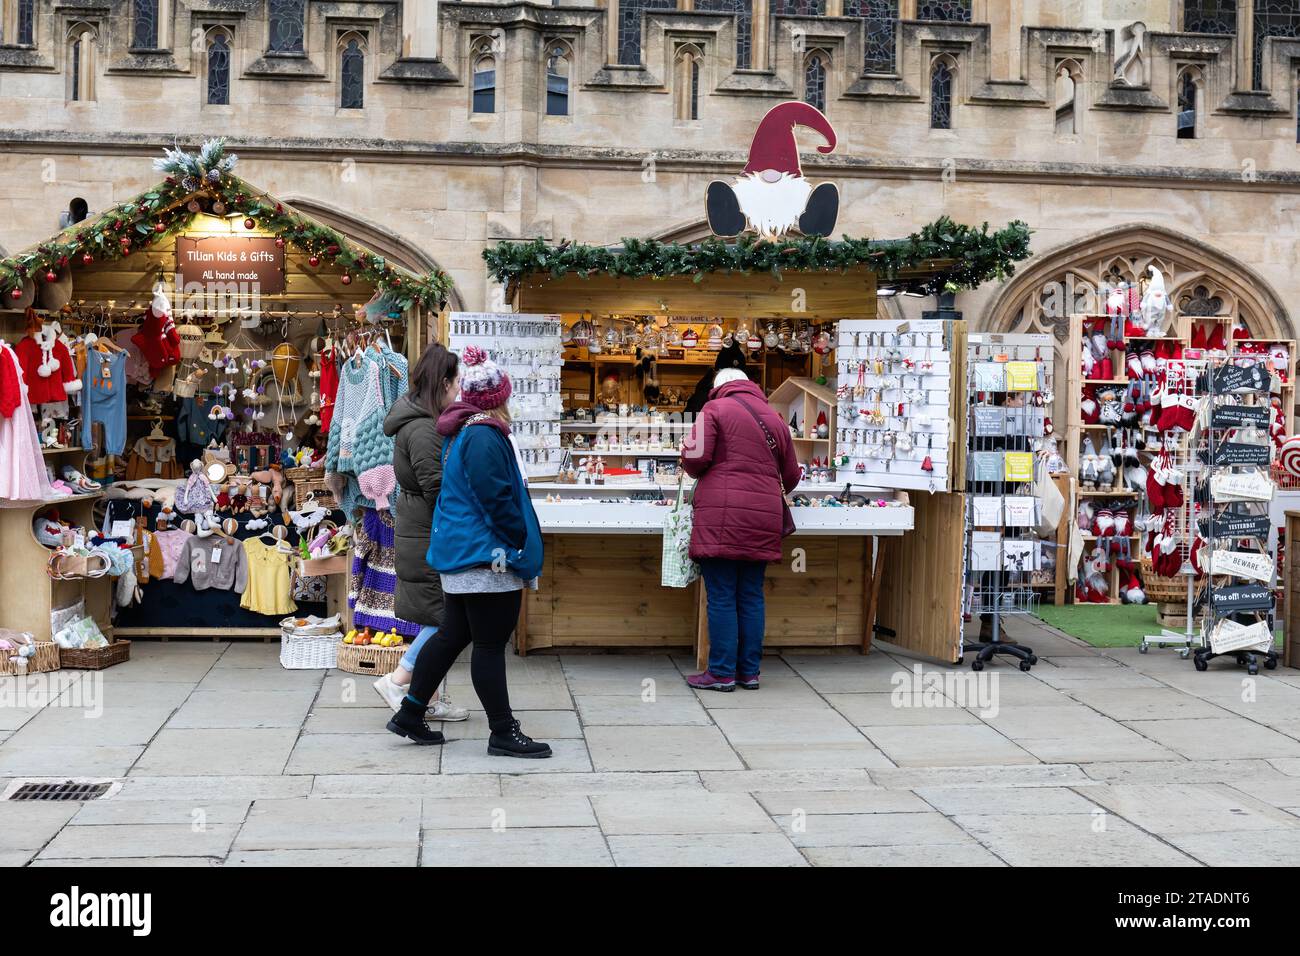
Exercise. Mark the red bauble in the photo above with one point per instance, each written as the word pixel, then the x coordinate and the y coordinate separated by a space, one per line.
pixel 345 279
pixel 249 224
pixel 87 258
pixel 63 261
pixel 279 242
pixel 314 261
pixel 16 293
pixel 160 227
pixel 51 276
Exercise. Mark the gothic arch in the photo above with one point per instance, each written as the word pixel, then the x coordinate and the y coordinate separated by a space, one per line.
pixel 373 236
pixel 1198 276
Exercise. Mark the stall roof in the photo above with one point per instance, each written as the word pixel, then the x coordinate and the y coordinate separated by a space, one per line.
pixel 200 183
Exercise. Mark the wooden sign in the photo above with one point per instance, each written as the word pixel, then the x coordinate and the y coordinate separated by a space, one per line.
pixel 253 263
pixel 1233 416
pixel 1240 526
pixel 1243 597
pixel 1239 453
pixel 1240 378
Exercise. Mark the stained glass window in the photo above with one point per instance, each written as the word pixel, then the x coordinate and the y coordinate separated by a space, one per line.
pixel 288 25
pixel 26 22
pixel 352 77
pixel 1187 106
pixel 629 26
pixel 1210 16
pixel 814 82
pixel 485 84
pixel 144 24
pixel 744 25
pixel 941 96
pixel 219 71
pixel 798 8
pixel 954 11
pixel 880 21
pixel 557 81
pixel 1273 18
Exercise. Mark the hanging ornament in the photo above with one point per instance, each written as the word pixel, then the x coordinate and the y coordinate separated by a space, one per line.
pixel 193 206
pixel 160 227
pixel 313 261
pixel 249 224
pixel 87 258
pixel 345 279
pixel 279 242
pixel 51 276
pixel 219 208
pixel 16 293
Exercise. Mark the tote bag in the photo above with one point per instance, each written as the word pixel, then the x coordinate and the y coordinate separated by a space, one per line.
pixel 678 570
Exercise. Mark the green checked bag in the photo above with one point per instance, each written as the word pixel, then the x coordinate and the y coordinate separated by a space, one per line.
pixel 678 568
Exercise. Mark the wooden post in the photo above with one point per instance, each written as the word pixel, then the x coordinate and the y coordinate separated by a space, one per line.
pixel 871 575
pixel 701 626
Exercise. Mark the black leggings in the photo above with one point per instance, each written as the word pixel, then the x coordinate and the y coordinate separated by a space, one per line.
pixel 487 621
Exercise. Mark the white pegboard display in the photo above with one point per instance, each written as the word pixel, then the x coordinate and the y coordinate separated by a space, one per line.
pixel 894 393
pixel 530 349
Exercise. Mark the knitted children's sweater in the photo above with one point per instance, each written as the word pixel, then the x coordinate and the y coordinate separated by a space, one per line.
pixel 358 449
pixel 373 580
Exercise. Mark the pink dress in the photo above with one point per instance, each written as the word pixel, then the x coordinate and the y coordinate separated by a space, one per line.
pixel 22 466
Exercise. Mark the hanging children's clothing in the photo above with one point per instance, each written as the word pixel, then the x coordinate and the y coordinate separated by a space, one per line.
pixel 153 458
pixel 193 424
pixel 169 544
pixel 104 400
pixel 22 464
pixel 268 579
pixel 373 578
pixel 48 368
pixel 215 562
pixel 329 385
pixel 358 449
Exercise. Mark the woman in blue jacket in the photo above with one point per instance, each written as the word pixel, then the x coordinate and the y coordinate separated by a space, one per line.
pixel 487 548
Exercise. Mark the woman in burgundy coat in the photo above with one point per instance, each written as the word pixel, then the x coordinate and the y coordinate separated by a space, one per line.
pixel 739 511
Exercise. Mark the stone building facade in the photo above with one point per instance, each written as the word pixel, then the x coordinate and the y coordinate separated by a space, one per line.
pixel 1122 131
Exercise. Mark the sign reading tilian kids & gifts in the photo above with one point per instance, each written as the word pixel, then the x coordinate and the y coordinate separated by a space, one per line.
pixel 255 263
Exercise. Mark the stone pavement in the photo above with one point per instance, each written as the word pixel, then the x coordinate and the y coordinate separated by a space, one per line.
pixel 1096 758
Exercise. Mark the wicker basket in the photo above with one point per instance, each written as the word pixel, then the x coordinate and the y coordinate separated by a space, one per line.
pixel 46 658
pixel 95 659
pixel 370 658
pixel 1161 590
pixel 310 481
pixel 313 652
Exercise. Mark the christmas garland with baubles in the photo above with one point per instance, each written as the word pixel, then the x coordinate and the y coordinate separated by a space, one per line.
pixel 204 182
pixel 972 256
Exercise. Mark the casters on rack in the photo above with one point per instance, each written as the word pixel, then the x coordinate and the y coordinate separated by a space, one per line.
pixel 1025 665
pixel 1247 659
pixel 1185 653
pixel 1201 663
pixel 977 665
pixel 985 650
pixel 1143 647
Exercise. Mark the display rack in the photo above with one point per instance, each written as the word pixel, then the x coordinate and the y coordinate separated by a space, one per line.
pixel 1237 489
pixel 1008 388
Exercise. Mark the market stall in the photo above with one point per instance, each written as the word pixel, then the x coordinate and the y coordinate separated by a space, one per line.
pixel 182 357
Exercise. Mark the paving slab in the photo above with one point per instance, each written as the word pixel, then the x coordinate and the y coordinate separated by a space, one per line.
pixel 475 813
pixel 201 789
pixel 676 812
pixel 861 754
pixel 1284 793
pixel 1180 770
pixel 776 692
pixel 875 829
pixel 388 856
pixel 543 846
pixel 599 782
pixel 309 824
pixel 1218 738
pixel 954 746
pixel 406 785
pixel 199 813
pixel 1145 703
pixel 73 760
pixel 786 726
pixel 882 710
pixel 1116 743
pixel 235 709
pixel 115 863
pixel 259 678
pixel 361 754
pixel 952 801
pixel 471 756
pixel 660 748
pixel 705 849
pixel 1032 775
pixel 787 803
pixel 1265 848
pixel 549 695
pixel 751 781
pixel 1201 807
pixel 544 725
pixel 29 826
pixel 348 720
pixel 56 726
pixel 143 840
pixel 631 710
pixel 1069 839
pixel 217 752
pixel 927 855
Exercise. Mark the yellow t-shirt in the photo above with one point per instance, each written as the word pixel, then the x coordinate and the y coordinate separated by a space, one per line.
pixel 268 590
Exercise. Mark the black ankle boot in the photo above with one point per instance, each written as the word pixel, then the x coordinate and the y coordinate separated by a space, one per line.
pixel 513 742
pixel 409 722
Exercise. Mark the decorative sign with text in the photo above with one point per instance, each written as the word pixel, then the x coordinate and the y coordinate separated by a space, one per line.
pixel 1233 416
pixel 1243 597
pixel 1240 526
pixel 252 262
pixel 1239 453
pixel 1240 378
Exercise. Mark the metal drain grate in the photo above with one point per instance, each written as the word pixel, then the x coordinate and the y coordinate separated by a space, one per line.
pixel 60 792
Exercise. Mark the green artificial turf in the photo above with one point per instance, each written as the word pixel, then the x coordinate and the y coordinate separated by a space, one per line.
pixel 1106 625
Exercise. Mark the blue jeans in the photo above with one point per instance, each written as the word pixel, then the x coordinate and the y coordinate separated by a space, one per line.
pixel 736 623
pixel 408 659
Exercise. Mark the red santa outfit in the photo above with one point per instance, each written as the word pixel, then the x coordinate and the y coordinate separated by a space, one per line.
pixel 48 369
pixel 157 337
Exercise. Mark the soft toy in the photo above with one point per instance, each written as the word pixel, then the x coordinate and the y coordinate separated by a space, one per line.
pixel 157 338
pixel 1155 304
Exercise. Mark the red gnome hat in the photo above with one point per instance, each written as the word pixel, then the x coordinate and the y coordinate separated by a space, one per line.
pixel 774 145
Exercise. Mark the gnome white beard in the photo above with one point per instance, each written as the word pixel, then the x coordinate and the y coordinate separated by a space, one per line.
pixel 772 208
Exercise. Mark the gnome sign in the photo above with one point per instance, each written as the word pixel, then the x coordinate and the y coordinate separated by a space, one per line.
pixel 771 196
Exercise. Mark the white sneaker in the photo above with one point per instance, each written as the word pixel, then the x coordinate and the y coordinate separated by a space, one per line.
pixel 443 709
pixel 391 693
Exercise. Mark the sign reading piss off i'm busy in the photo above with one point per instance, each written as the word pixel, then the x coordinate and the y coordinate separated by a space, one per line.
pixel 254 263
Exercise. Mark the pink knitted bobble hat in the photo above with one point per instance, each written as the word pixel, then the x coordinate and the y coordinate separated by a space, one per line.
pixel 483 383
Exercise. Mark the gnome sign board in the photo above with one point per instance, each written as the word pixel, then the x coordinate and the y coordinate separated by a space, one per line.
pixel 771 197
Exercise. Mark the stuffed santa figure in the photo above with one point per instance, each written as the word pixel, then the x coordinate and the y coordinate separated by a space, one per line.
pixel 1155 303
pixel 771 195
pixel 157 338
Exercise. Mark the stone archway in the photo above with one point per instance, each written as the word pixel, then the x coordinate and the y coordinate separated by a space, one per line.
pixel 1201 281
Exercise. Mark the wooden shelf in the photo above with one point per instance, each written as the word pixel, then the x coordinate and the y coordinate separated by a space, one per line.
pixel 1108 494
pixel 60 451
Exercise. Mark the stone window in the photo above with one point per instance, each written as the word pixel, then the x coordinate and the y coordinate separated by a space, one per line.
pixel 744 15
pixel 797 8
pixel 879 29
pixel 952 11
pixel 629 26
pixel 1189 91
pixel 558 66
pixel 288 23
pixel 82 40
pixel 816 67
pixel 218 68
pixel 1210 16
pixel 352 72
pixel 686 82
pixel 1069 80
pixel 25 23
pixel 144 24
pixel 1273 18
pixel 484 95
pixel 942 77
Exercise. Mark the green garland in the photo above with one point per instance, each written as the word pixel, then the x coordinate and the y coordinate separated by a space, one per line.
pixel 203 183
pixel 974 256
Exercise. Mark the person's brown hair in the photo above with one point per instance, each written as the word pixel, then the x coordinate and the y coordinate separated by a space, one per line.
pixel 435 368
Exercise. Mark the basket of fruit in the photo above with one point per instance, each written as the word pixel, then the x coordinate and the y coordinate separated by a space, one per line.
pixel 370 652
